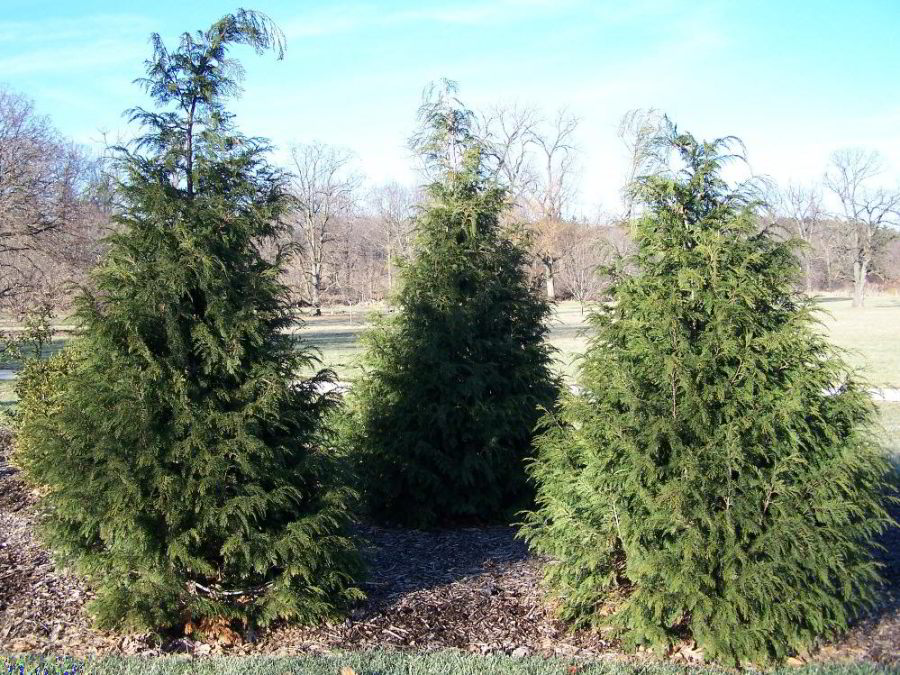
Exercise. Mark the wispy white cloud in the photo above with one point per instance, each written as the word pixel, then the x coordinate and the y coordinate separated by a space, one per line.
pixel 50 30
pixel 69 58
pixel 57 45
pixel 348 17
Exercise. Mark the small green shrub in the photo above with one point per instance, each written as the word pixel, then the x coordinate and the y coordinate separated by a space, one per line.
pixel 187 473
pixel 40 388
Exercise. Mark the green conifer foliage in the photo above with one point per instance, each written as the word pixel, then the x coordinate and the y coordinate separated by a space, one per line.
pixel 444 415
pixel 187 474
pixel 716 475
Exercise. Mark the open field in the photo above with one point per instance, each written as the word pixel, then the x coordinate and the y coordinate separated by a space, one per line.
pixel 871 336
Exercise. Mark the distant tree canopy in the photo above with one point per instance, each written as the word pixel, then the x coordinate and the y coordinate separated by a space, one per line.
pixel 187 473
pixel 49 225
pixel 349 243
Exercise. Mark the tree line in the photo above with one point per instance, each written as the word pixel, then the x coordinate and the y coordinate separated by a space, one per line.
pixel 349 236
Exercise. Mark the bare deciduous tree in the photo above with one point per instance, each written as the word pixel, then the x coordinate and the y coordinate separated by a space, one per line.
pixel 554 191
pixel 324 191
pixel 41 181
pixel 868 214
pixel 394 208
pixel 639 130
pixel 830 247
pixel 802 209
pixel 557 161
pixel 508 134
pixel 579 268
pixel 591 248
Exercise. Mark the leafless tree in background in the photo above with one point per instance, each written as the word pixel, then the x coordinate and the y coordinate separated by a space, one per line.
pixel 868 214
pixel 579 272
pixel 533 159
pixel 536 161
pixel 355 263
pixel 639 130
pixel 830 248
pixel 393 209
pixel 54 210
pixel 803 213
pixel 41 178
pixel 508 134
pixel 591 250
pixel 553 192
pixel 57 204
pixel 324 193
pixel 557 152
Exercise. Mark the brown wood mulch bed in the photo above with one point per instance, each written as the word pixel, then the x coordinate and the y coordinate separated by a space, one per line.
pixel 475 589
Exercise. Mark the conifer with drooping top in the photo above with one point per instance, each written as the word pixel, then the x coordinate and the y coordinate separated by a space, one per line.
pixel 454 383
pixel 187 474
pixel 716 476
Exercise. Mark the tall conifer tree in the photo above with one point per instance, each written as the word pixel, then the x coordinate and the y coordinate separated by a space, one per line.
pixel 188 475
pixel 716 476
pixel 454 382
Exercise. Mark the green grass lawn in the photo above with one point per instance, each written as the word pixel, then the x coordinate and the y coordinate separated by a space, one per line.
pixel 890 429
pixel 871 336
pixel 388 663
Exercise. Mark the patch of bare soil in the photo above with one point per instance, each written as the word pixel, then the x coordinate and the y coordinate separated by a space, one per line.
pixel 475 589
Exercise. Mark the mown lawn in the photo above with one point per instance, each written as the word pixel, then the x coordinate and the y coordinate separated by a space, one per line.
pixel 870 336
pixel 385 663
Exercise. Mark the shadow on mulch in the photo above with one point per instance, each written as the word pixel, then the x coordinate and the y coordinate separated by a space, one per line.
pixel 876 634
pixel 405 561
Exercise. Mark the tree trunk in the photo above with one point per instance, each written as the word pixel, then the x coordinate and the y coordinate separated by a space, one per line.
pixel 860 268
pixel 807 271
pixel 549 275
pixel 314 290
pixel 390 269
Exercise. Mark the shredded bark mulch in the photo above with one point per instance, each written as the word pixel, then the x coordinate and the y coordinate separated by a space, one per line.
pixel 475 589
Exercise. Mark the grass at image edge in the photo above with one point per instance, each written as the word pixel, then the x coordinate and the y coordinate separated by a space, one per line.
pixel 387 663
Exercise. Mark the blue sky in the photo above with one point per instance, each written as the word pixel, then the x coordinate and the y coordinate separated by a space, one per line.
pixel 795 79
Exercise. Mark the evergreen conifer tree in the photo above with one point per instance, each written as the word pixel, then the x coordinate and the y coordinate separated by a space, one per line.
pixel 187 474
pixel 443 417
pixel 716 475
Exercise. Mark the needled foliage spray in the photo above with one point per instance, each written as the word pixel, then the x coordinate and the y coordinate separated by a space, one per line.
pixel 455 382
pixel 716 475
pixel 187 472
